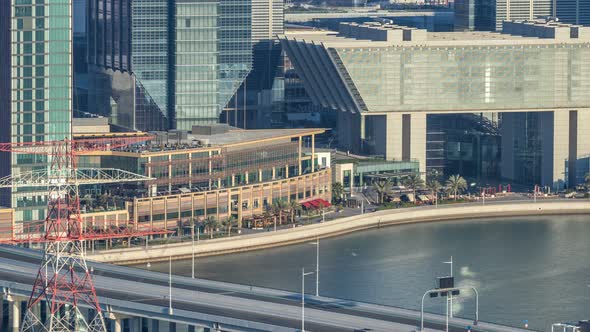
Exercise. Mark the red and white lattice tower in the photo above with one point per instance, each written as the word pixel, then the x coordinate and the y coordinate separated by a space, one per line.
pixel 64 281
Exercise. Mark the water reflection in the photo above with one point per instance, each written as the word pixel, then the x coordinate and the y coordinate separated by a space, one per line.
pixel 533 269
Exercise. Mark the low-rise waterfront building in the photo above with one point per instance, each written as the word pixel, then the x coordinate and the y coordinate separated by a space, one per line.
pixel 357 171
pixel 217 171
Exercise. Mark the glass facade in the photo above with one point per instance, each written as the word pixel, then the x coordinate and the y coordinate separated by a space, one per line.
pixel 475 15
pixel 149 45
pixel 187 59
pixel 235 46
pixel 196 64
pixel 470 78
pixel 574 11
pixel 40 90
pixel 487 15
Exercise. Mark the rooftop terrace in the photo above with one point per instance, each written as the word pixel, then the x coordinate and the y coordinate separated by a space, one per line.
pixel 227 137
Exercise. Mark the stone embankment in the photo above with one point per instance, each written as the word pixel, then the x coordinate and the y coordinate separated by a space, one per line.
pixel 241 243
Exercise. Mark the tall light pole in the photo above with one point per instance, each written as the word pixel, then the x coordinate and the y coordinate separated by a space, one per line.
pixel 436 199
pixel 451 296
pixel 170 311
pixel 193 255
pixel 317 266
pixel 303 274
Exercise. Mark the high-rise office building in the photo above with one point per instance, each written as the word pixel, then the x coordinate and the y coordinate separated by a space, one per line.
pixel 35 89
pixel 388 81
pixel 262 90
pixel 166 64
pixel 486 15
pixel 573 11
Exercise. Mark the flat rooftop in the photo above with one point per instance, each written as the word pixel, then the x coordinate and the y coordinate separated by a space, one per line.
pixel 369 35
pixel 237 136
pixel 234 137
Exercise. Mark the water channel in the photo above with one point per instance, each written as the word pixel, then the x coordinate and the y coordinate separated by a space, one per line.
pixel 535 268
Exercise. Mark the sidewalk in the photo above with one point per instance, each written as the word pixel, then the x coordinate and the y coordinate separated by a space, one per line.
pixel 340 226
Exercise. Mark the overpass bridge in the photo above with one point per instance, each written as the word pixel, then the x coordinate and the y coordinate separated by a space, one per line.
pixel 137 300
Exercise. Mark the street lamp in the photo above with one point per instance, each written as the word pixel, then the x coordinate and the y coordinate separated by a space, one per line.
pixel 193 248
pixel 441 292
pixel 170 311
pixel 303 274
pixel 317 266
pixel 451 296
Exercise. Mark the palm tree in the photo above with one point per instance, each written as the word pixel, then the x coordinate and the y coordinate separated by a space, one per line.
pixel 196 225
pixel 277 207
pixel 382 186
pixel 414 182
pixel 294 207
pixel 434 186
pixel 211 225
pixel 337 192
pixel 228 223
pixel 456 184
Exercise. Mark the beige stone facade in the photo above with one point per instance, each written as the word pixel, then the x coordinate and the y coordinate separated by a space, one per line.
pixel 242 202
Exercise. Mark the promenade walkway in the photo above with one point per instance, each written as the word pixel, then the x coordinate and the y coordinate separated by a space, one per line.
pixel 241 243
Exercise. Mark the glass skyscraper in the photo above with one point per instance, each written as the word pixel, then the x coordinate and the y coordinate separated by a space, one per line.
pixel 487 15
pixel 35 88
pixel 187 59
pixel 573 11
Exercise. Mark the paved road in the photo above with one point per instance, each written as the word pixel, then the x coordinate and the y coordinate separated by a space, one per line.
pixel 255 304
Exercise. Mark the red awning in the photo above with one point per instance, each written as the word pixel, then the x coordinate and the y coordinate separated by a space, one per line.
pixel 316 203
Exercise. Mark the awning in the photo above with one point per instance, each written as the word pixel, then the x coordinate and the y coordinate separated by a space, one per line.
pixel 316 203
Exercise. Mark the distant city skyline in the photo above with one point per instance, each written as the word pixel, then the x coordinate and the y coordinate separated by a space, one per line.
pixel 484 15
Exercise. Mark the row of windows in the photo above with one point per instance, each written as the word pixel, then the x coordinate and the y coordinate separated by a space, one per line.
pixel 24 106
pixel 23 72
pixel 53 10
pixel 195 100
pixel 55 47
pixel 196 9
pixel 196 86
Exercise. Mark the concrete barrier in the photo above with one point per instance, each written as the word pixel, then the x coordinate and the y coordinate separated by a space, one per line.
pixel 283 237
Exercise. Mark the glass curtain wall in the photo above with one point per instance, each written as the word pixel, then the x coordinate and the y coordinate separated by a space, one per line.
pixel 149 57
pixel 502 77
pixel 196 63
pixel 235 46
pixel 41 81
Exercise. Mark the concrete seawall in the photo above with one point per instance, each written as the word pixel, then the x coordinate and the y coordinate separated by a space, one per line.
pixel 283 237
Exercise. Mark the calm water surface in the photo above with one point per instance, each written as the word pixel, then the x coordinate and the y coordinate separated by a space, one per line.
pixel 535 269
